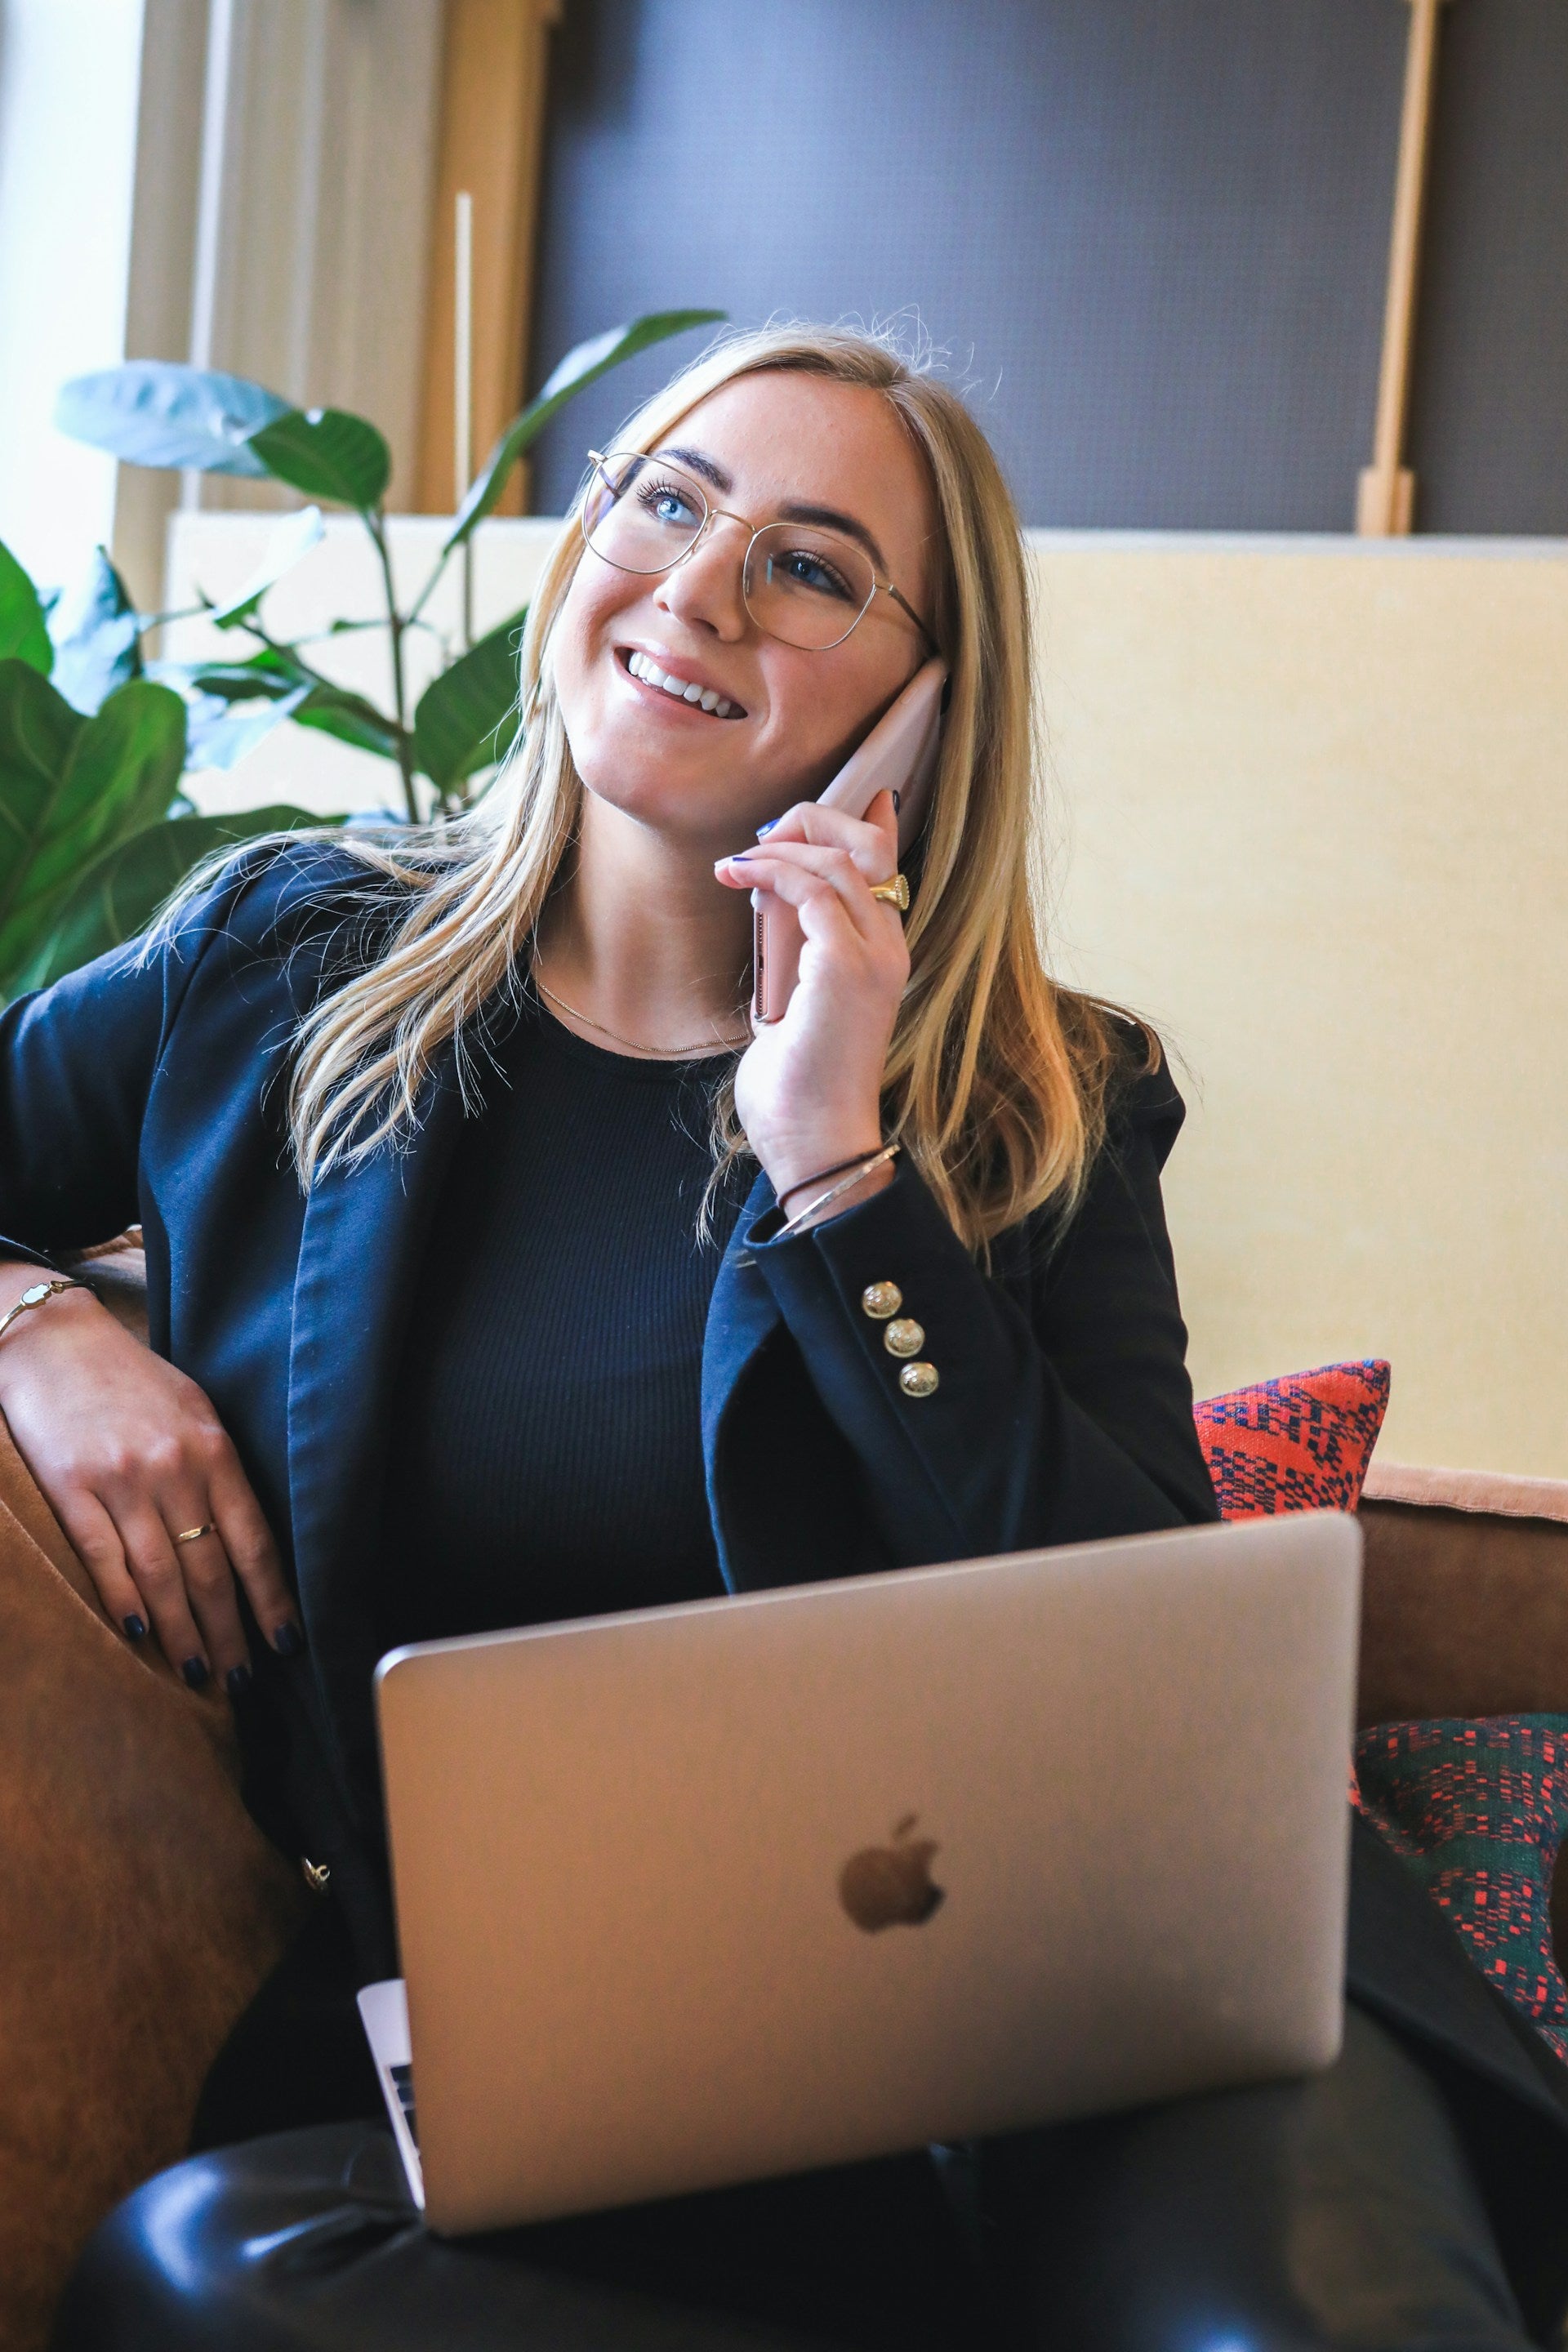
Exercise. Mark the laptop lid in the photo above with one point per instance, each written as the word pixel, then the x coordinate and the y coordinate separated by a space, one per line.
pixel 702 1893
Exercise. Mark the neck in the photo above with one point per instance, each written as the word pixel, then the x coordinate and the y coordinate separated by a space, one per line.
pixel 642 942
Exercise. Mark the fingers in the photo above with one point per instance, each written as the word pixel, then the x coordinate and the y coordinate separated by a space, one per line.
pixel 872 840
pixel 93 1538
pixel 799 873
pixel 247 1542
pixel 160 1579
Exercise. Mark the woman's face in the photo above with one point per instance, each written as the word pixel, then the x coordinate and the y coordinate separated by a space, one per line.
pixel 761 446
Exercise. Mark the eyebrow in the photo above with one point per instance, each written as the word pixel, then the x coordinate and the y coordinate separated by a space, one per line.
pixel 794 510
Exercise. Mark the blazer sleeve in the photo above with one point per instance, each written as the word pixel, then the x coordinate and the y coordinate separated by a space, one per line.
pixel 1063 1411
pixel 80 1060
pixel 77 1062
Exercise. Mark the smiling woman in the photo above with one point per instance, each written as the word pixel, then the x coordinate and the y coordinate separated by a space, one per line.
pixel 500 1272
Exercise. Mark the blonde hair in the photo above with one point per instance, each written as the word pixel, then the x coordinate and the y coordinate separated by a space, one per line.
pixel 997 1078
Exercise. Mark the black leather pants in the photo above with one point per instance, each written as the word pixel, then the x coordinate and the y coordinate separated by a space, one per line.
pixel 1341 2212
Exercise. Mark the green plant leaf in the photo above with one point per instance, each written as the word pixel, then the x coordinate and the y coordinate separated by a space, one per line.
pixel 581 367
pixel 328 454
pixel 221 730
pixel 350 718
pixel 123 890
pixel 24 630
pixel 467 716
pixel 294 538
pixel 276 674
pixel 159 413
pixel 71 787
pixel 97 637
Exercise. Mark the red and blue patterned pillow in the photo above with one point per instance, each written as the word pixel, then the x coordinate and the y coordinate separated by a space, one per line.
pixel 1477 1808
pixel 1302 1443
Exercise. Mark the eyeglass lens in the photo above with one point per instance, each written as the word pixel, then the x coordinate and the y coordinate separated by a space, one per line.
pixel 805 587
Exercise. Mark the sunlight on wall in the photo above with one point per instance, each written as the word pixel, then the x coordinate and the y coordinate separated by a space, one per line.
pixel 69 74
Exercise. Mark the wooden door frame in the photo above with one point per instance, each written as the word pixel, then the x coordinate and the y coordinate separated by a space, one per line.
pixel 492 143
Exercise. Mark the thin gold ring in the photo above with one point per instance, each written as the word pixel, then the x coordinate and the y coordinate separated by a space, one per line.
pixel 192 1534
pixel 894 892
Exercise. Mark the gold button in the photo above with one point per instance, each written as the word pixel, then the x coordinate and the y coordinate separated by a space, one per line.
pixel 880 1299
pixel 919 1379
pixel 904 1338
pixel 318 1875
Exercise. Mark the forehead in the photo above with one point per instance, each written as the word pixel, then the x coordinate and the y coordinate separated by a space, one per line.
pixel 785 438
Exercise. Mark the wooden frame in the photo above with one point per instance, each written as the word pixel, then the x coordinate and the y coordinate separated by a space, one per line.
pixel 491 144
pixel 1385 493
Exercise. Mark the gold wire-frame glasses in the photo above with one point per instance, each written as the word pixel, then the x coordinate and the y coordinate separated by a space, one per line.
pixel 644 514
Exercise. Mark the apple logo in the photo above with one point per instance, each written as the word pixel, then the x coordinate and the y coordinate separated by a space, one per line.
pixel 890 1885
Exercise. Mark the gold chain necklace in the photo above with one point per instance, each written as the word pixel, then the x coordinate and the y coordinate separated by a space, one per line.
pixel 704 1047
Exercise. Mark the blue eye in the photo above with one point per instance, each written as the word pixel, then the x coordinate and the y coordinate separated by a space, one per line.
pixel 668 504
pixel 802 567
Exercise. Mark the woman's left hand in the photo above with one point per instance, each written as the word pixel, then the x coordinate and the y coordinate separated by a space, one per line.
pixel 808 1090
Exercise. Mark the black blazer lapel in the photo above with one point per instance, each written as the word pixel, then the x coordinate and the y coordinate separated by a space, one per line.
pixel 363 1241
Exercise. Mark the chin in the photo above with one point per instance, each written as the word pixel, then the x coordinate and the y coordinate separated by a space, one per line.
pixel 679 790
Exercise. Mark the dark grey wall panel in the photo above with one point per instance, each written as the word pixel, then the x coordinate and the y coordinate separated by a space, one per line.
pixel 1152 233
pixel 1489 423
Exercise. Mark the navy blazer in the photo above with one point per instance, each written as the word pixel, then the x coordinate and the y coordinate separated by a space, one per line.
pixel 148 1087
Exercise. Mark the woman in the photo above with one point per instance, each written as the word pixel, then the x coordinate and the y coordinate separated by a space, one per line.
pixel 466 1136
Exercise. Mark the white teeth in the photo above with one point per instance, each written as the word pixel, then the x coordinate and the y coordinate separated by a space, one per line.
pixel 677 688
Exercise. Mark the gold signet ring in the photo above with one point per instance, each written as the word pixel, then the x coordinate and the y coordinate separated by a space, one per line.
pixel 191 1535
pixel 893 893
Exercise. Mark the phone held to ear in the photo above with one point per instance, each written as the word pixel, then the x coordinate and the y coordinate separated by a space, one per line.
pixel 899 755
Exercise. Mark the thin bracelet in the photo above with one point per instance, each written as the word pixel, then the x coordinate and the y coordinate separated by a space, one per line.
pixel 37 1294
pixel 822 1175
pixel 876 1159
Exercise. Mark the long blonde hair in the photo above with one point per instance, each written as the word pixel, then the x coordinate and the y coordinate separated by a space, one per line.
pixel 997 1078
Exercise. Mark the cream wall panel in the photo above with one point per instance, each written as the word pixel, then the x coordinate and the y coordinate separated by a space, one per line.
pixel 1317 801
pixel 1312 800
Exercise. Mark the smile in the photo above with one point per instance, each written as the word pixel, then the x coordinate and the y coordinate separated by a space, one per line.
pixel 692 691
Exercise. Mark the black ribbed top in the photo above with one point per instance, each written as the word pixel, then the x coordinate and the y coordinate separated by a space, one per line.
pixel 545 1440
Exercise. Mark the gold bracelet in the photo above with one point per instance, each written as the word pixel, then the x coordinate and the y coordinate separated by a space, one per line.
pixel 873 1160
pixel 37 1294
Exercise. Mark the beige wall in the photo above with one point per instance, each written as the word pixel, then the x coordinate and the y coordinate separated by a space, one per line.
pixel 1313 803
pixel 1317 798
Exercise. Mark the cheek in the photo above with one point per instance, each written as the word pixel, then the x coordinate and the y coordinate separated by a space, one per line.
pixel 580 637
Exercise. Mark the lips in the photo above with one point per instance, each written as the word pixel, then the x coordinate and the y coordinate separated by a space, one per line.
pixel 695 692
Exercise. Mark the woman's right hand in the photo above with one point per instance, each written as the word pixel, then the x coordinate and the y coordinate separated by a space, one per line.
pixel 129 1452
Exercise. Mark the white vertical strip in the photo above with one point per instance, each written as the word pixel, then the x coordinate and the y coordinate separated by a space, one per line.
pixel 463 353
pixel 209 200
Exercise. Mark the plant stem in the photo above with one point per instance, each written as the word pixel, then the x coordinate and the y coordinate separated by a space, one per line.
pixel 395 625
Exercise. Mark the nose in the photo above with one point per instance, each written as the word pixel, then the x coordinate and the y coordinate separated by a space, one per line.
pixel 705 589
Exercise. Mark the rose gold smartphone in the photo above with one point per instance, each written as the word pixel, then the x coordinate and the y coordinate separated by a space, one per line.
pixel 899 755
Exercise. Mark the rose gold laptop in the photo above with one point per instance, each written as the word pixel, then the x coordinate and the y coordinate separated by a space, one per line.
pixel 702 1893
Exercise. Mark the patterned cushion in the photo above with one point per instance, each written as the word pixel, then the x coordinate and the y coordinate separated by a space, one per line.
pixel 1478 1810
pixel 1299 1443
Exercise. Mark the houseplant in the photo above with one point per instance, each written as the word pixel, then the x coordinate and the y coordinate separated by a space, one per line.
pixel 95 738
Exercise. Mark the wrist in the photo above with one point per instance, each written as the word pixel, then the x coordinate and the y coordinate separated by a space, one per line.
pixel 801 1157
pixel 19 1338
pixel 811 1207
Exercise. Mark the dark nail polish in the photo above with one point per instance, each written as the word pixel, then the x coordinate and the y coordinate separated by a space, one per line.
pixel 195 1672
pixel 739 857
pixel 762 829
pixel 898 800
pixel 288 1641
pixel 236 1682
pixel 135 1627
